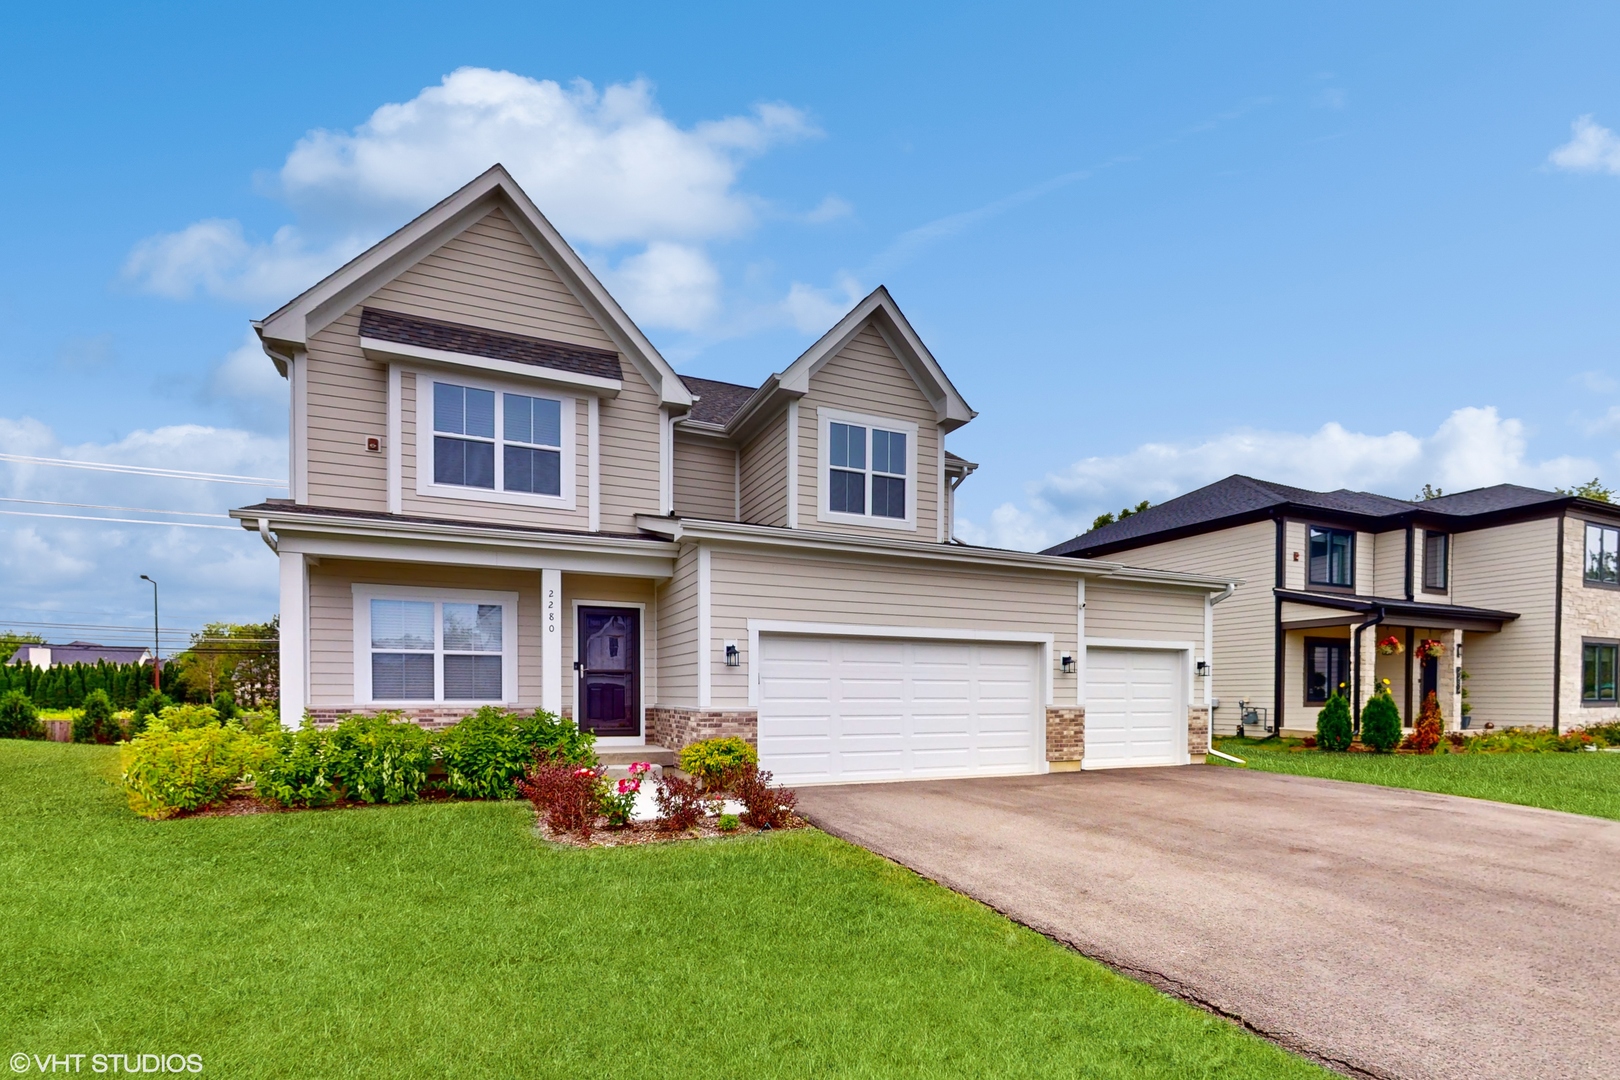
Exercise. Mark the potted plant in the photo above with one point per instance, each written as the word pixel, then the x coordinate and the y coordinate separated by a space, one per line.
pixel 1391 646
pixel 1430 647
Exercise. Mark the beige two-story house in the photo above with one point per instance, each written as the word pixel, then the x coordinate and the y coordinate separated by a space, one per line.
pixel 1502 601
pixel 503 494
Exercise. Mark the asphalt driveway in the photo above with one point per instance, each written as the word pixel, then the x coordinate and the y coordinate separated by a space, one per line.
pixel 1383 932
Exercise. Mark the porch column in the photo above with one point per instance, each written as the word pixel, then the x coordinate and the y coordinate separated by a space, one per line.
pixel 1366 664
pixel 551 673
pixel 294 674
pixel 1449 687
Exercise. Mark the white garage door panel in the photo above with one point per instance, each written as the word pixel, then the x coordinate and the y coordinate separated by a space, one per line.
pixel 842 709
pixel 1134 709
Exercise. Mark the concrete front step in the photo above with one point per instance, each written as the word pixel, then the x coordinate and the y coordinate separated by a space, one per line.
pixel 626 755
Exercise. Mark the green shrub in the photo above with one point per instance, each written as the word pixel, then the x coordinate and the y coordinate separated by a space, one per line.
pixel 374 759
pixel 96 723
pixel 299 769
pixel 260 721
pixel 716 761
pixel 557 738
pixel 1604 735
pixel 1381 724
pixel 1533 741
pixel 184 718
pixel 225 705
pixel 166 772
pixel 18 717
pixel 145 708
pixel 1333 724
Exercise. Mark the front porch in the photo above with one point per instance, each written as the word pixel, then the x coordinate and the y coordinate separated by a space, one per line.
pixel 1357 645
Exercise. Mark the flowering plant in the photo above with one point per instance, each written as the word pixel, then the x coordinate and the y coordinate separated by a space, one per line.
pixel 1430 647
pixel 1391 646
pixel 618 801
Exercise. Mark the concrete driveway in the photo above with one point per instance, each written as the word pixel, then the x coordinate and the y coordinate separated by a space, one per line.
pixel 1382 932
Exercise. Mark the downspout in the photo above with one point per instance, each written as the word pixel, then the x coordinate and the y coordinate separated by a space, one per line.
pixel 1277 650
pixel 1356 678
pixel 1558 627
pixel 1209 666
pixel 264 534
pixel 1410 595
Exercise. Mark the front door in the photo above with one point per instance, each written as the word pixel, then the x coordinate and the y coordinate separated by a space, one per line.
pixel 1430 677
pixel 609 669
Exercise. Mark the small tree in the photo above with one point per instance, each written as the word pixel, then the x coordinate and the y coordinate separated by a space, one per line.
pixel 18 717
pixel 225 705
pixel 1426 733
pixel 1381 724
pixel 95 722
pixel 1333 724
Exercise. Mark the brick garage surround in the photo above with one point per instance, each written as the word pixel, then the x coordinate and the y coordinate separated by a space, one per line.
pixel 1197 732
pixel 673 727
pixel 1065 735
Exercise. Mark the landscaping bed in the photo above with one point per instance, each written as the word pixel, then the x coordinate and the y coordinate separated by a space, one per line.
pixel 443 939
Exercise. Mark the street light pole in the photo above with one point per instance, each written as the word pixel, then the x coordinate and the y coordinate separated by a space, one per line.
pixel 156 684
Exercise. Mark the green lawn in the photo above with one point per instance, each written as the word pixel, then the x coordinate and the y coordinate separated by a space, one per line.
pixel 444 940
pixel 1580 783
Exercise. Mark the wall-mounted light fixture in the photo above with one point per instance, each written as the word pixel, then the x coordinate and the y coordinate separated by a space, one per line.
pixel 1069 666
pixel 733 656
pixel 1204 670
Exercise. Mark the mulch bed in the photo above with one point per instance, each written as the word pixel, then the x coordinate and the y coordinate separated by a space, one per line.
pixel 648 832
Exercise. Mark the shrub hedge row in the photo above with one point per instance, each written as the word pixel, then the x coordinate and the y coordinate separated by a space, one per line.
pixel 188 758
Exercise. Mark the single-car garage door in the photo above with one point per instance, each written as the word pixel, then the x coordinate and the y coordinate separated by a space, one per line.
pixel 848 709
pixel 1135 708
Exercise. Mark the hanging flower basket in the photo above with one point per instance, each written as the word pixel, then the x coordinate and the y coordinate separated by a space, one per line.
pixel 1430 647
pixel 1391 646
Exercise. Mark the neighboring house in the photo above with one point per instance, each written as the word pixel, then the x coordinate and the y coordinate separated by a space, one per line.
pixel 1517 586
pixel 503 494
pixel 78 652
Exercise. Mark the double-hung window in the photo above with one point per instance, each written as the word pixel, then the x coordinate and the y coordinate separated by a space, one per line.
pixel 1597 672
pixel 447 648
pixel 867 470
pixel 497 441
pixel 1436 561
pixel 1333 560
pixel 1603 554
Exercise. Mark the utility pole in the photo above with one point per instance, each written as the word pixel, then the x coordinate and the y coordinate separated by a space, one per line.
pixel 156 683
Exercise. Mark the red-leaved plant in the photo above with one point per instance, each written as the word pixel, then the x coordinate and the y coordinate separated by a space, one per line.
pixel 1426 732
pixel 568 796
pixel 764 806
pixel 680 804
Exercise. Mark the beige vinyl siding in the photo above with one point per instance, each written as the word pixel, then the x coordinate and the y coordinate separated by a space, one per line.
pixel 347 398
pixel 1243 621
pixel 705 479
pixel 1295 552
pixel 479 509
pixel 491 276
pixel 1509 568
pixel 1590 612
pixel 805 587
pixel 594 590
pixel 331 618
pixel 1298 717
pixel 1366 565
pixel 1389 564
pixel 764 475
pixel 866 377
pixel 1148 612
pixel 678 632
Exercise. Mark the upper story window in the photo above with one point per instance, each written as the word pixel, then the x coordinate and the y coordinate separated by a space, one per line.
pixel 1436 561
pixel 1333 557
pixel 1603 554
pixel 869 470
pixel 433 647
pixel 489 443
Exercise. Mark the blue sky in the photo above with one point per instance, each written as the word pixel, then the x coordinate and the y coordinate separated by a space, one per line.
pixel 1326 244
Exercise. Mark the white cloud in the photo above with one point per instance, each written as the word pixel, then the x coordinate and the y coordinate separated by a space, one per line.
pixel 829 209
pixel 62 570
pixel 1592 148
pixel 1473 447
pixel 814 311
pixel 607 167
pixel 1599 382
pixel 247 381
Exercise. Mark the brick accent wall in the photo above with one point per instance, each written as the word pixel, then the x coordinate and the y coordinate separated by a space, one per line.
pixel 1197 731
pixel 1065 733
pixel 672 727
pixel 432 719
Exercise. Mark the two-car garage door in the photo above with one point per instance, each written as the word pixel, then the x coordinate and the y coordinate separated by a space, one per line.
pixel 835 709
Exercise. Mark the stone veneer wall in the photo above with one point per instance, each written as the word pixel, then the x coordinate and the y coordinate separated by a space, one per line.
pixel 1197 732
pixel 1065 733
pixel 432 719
pixel 673 727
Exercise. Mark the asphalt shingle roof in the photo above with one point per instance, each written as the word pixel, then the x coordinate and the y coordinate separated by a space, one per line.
pixel 477 341
pixel 717 401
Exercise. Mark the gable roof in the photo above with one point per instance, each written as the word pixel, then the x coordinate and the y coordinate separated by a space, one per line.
pixel 715 402
pixel 1240 499
pixel 290 327
pixel 82 652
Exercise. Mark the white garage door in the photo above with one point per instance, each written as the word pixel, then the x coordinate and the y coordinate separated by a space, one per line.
pixel 1135 712
pixel 847 709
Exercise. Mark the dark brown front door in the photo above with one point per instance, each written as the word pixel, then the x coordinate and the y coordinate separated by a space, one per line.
pixel 1430 677
pixel 609 668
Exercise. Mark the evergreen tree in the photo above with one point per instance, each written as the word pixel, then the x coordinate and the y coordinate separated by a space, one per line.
pixel 1333 724
pixel 1381 723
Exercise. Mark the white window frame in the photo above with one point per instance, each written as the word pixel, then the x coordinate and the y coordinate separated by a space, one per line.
pixel 825 418
pixel 424 442
pixel 365 594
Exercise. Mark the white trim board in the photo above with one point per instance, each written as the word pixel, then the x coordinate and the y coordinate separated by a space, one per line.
pixel 756 627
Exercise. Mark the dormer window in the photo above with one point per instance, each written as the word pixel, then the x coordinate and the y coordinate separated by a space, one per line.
pixel 868 466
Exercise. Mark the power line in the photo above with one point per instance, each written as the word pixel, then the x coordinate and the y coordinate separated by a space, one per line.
pixel 132 509
pixel 118 521
pixel 145 470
